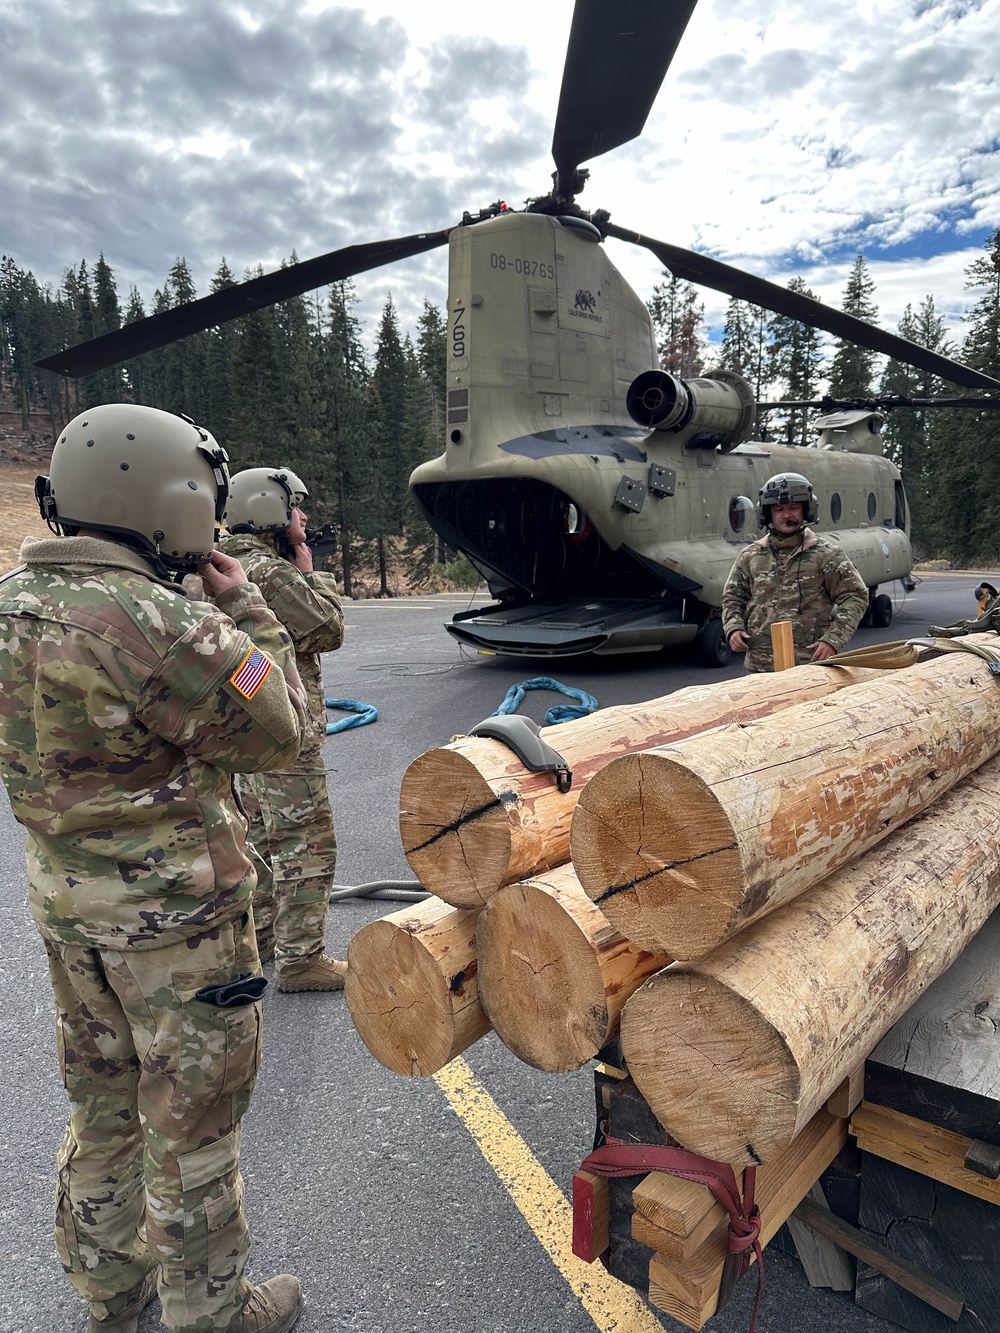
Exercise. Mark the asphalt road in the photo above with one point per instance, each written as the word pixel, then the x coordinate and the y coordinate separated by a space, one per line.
pixel 366 1185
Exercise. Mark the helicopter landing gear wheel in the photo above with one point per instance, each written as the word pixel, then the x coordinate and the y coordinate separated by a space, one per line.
pixel 713 646
pixel 881 611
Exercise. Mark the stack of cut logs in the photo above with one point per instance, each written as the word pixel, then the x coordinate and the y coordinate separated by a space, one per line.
pixel 751 879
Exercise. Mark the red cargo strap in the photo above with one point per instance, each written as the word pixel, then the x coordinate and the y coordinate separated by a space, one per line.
pixel 618 1158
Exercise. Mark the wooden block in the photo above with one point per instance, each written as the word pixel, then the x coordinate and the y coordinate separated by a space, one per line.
pixel 783 645
pixel 668 1243
pixel 946 1234
pixel 824 1262
pixel 849 1094
pixel 904 1274
pixel 677 1206
pixel 912 1143
pixel 591 1217
pixel 688 1288
pixel 941 1060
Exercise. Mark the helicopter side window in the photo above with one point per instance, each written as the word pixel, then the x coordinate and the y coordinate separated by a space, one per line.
pixel 900 506
pixel 835 507
pixel 739 507
pixel 872 504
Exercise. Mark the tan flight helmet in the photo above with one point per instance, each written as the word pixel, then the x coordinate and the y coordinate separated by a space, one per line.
pixel 155 480
pixel 261 499
pixel 787 488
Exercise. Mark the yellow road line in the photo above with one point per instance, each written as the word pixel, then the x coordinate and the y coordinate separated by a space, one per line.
pixel 614 1307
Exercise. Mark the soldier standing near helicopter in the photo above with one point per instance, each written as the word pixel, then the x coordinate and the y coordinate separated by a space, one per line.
pixel 291 819
pixel 791 574
pixel 127 708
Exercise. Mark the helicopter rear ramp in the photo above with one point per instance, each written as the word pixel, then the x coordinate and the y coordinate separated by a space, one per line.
pixel 568 629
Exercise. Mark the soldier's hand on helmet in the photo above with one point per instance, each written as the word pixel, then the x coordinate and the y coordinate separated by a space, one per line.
pixel 821 651
pixel 221 573
pixel 739 641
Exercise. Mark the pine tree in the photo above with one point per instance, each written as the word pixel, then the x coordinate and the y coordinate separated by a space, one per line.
pixel 427 414
pixel 344 375
pixel 388 442
pixel 183 361
pixel 677 319
pixel 967 452
pixel 907 434
pixel 852 371
pixel 109 383
pixel 794 366
pixel 138 370
pixel 216 393
pixel 745 346
pixel 256 389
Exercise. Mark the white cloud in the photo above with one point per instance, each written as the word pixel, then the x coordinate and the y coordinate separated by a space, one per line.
pixel 787 136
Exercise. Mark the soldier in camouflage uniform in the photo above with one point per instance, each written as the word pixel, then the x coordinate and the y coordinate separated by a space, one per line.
pixel 791 574
pixel 125 710
pixel 289 807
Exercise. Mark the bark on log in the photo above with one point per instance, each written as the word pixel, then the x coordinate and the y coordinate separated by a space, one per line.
pixel 684 845
pixel 412 987
pixel 554 973
pixel 473 818
pixel 735 1053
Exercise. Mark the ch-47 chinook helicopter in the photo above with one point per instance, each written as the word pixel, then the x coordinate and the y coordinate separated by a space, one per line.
pixel 603 500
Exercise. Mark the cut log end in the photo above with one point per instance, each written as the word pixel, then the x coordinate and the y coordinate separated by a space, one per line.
pixel 540 980
pixel 670 884
pixel 455 829
pixel 717 1076
pixel 408 1007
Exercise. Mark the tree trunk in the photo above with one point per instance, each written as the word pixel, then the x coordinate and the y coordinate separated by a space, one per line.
pixel 412 987
pixel 383 581
pixel 735 1053
pixel 684 846
pixel 473 818
pixel 553 974
pixel 345 541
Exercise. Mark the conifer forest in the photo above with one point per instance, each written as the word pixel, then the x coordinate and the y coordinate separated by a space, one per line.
pixel 296 384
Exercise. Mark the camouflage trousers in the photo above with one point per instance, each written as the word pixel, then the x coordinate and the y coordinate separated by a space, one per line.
pixel 158 1082
pixel 291 828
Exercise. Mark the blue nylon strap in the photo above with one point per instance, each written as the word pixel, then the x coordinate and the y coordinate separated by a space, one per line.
pixel 360 714
pixel 558 712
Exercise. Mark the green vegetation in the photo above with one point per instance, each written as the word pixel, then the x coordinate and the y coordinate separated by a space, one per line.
pixel 290 384
pixel 950 458
pixel 294 384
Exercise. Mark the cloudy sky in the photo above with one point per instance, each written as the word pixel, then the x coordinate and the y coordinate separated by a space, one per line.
pixel 788 135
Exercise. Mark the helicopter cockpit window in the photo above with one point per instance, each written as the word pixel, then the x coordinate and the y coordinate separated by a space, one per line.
pixel 872 504
pixel 739 509
pixel 835 507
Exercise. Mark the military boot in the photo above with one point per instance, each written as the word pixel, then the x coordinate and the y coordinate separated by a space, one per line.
pixel 127 1321
pixel 273 1307
pixel 321 973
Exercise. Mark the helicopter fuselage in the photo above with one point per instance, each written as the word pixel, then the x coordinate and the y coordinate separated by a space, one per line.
pixel 559 489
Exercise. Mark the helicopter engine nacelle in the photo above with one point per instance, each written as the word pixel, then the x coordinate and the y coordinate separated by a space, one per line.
pixel 717 408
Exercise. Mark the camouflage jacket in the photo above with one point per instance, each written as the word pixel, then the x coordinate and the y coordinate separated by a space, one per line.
pixel 306 604
pixel 806 579
pixel 125 709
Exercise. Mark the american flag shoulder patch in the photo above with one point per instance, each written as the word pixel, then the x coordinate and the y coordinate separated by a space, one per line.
pixel 250 675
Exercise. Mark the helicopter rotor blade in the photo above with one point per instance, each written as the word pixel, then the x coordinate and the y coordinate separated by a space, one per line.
pixel 617 57
pixel 705 272
pixel 884 404
pixel 194 316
